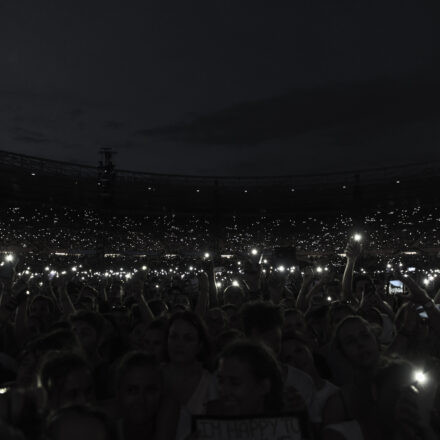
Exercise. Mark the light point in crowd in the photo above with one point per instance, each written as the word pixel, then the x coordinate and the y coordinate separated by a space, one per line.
pixel 218 284
pixel 144 267
pixel 420 377
pixel 207 255
pixel 254 251
pixel 47 268
pixel 74 269
pixel 319 269
pixel 9 258
pixel 357 237
pixel 281 268
pixel 235 283
pixel 329 298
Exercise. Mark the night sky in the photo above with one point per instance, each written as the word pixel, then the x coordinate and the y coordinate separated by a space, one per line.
pixel 222 87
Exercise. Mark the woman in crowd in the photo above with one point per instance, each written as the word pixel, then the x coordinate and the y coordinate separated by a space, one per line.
pixel 186 373
pixel 250 381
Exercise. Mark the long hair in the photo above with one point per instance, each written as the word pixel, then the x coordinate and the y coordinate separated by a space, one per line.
pixel 263 365
pixel 193 319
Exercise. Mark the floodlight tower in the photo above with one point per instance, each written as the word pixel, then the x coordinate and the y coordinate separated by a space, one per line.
pixel 106 192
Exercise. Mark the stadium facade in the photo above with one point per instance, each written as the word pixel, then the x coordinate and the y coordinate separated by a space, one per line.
pixel 28 179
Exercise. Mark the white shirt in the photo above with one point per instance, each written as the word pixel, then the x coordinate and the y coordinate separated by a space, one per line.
pixel 303 383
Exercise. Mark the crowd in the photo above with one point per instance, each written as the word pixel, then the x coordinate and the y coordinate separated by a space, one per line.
pixel 67 228
pixel 134 348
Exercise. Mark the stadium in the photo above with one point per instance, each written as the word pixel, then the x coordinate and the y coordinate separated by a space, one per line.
pixel 31 179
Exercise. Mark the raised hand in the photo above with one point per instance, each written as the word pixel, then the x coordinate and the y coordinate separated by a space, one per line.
pixel 353 250
pixel 417 294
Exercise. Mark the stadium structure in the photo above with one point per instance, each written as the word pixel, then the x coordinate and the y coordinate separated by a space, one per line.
pixel 28 179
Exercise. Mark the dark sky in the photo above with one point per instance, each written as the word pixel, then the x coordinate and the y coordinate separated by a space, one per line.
pixel 220 86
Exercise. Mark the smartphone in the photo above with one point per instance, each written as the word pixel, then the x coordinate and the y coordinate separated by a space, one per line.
pixel 396 286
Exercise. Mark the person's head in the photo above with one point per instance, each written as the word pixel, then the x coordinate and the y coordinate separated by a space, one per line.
pixel 234 295
pixel 263 321
pixel 75 422
pixel 356 341
pixel 294 321
pixel 187 339
pixel 59 339
pixel 408 320
pixel 88 328
pixel 158 307
pixel 67 379
pixel 181 302
pixel 317 323
pixel 295 351
pixel 250 379
pixel 227 337
pixel 338 311
pixel 215 320
pixel 136 338
pixel 155 339
pixel 138 387
pixel 391 378
pixel 87 303
pixel 42 308
pixel 232 315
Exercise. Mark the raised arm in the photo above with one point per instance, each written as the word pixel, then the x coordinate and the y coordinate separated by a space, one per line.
pixel 202 304
pixel 301 300
pixel 419 296
pixel 353 251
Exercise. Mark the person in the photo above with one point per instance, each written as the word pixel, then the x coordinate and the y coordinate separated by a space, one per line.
pixel 74 422
pixel 67 379
pixel 142 409
pixel 250 381
pixel 186 373
pixel 89 328
pixel 393 410
pixel 263 322
pixel 296 352
pixel 155 339
pixel 359 348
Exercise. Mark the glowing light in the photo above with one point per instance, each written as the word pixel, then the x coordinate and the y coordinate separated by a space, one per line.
pixel 47 268
pixel 218 284
pixel 254 251
pixel 329 298
pixel 207 255
pixel 281 268
pixel 144 267
pixel 357 237
pixel 9 258
pixel 235 283
pixel 74 269
pixel 420 377
pixel 319 269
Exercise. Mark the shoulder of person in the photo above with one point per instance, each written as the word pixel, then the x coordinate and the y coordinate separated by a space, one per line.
pixel 330 434
pixel 294 374
pixel 334 409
